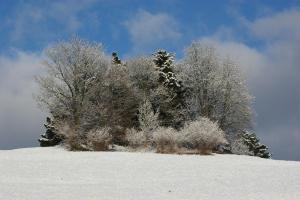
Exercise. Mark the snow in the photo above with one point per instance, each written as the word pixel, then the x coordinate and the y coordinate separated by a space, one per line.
pixel 54 173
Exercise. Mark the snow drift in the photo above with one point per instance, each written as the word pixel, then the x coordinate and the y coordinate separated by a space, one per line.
pixel 53 173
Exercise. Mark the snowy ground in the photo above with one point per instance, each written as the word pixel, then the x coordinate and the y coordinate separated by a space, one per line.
pixel 53 173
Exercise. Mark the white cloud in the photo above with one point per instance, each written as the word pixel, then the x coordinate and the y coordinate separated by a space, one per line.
pixel 251 60
pixel 147 30
pixel 283 25
pixel 30 17
pixel 20 119
pixel 67 12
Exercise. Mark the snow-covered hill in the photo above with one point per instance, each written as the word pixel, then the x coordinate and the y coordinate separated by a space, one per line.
pixel 53 173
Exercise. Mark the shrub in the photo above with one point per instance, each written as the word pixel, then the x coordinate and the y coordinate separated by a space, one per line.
pixel 240 148
pixel 203 135
pixel 166 140
pixel 136 138
pixel 99 139
pixel 72 138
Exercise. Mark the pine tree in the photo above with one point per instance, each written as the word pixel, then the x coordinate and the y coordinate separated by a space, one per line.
pixel 50 137
pixel 172 105
pixel 115 58
pixel 258 149
pixel 118 100
pixel 164 63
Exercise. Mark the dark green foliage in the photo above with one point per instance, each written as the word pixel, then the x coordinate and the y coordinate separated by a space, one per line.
pixel 50 137
pixel 164 63
pixel 118 102
pixel 171 103
pixel 115 58
pixel 258 149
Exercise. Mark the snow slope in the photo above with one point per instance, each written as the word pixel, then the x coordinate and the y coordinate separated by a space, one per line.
pixel 53 173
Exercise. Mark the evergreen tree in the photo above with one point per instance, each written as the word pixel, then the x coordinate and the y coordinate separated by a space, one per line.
pixel 258 149
pixel 164 63
pixel 119 101
pixel 50 137
pixel 171 104
pixel 115 58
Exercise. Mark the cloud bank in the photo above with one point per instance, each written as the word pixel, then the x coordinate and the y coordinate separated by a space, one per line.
pixel 20 119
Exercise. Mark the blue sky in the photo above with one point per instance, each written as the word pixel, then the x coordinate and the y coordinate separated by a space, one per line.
pixel 262 36
pixel 31 25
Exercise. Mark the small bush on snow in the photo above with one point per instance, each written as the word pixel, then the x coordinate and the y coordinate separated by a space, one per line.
pixel 166 140
pixel 203 135
pixel 136 138
pixel 240 148
pixel 99 139
pixel 72 139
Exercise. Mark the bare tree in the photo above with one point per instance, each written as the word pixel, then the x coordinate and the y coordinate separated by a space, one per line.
pixel 72 70
pixel 217 88
pixel 233 107
pixel 200 64
pixel 143 74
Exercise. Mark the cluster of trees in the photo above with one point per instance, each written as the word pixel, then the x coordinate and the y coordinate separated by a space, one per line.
pixel 97 100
